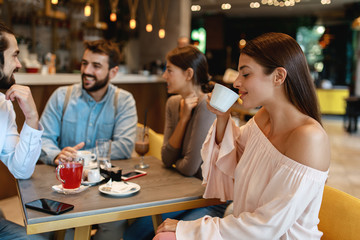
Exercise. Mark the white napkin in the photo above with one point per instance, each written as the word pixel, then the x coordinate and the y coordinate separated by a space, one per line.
pixel 118 187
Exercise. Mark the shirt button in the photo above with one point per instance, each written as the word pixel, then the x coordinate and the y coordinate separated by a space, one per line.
pixel 90 124
pixel 88 140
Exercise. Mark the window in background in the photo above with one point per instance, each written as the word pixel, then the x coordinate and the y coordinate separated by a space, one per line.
pixel 309 40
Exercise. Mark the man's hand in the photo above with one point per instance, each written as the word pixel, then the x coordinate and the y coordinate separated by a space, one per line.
pixel 23 96
pixel 68 153
pixel 169 225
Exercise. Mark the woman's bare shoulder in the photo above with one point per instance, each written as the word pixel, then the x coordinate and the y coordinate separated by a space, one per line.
pixel 309 144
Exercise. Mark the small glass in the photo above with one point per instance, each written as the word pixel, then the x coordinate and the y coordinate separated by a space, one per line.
pixel 142 145
pixel 103 153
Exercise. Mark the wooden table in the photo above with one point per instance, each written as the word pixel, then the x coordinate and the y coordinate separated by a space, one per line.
pixel 162 190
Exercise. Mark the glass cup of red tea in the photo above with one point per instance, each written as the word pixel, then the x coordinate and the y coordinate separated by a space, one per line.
pixel 70 173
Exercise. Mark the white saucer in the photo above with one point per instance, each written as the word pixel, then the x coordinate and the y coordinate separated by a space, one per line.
pixel 119 189
pixel 60 189
pixel 87 183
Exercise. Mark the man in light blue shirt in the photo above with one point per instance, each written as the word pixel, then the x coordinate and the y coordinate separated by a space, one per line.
pixel 73 119
pixel 94 110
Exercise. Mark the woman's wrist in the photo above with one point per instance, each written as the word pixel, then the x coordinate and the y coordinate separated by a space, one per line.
pixel 223 117
pixel 221 123
pixel 184 120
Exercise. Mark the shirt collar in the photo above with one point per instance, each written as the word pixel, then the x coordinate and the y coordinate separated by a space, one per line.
pixel 88 98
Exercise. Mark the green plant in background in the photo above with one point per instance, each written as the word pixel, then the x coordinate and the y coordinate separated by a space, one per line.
pixel 199 35
pixel 308 39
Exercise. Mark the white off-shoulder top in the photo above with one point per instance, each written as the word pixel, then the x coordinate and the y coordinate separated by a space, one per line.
pixel 274 196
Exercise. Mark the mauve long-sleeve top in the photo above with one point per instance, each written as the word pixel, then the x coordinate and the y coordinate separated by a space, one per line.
pixel 187 159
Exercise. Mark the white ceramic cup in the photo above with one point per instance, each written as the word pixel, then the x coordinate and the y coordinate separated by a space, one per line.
pixel 87 156
pixel 93 175
pixel 222 98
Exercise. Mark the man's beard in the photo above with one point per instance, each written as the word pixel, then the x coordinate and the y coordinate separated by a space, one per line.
pixel 7 81
pixel 98 83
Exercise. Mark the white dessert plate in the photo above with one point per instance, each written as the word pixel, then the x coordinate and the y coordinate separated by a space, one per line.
pixel 119 189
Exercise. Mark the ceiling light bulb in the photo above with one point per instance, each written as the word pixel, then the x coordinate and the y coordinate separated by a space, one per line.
pixel 225 6
pixel 162 33
pixel 113 17
pixel 242 43
pixel 149 27
pixel 87 10
pixel 195 8
pixel 54 2
pixel 132 23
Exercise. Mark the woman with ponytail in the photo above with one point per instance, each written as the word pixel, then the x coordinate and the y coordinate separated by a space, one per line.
pixel 187 117
pixel 187 123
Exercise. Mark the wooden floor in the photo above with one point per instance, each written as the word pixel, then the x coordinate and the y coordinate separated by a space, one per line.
pixel 345 156
pixel 344 170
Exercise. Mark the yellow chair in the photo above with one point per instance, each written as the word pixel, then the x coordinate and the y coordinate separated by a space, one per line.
pixel 155 142
pixel 339 215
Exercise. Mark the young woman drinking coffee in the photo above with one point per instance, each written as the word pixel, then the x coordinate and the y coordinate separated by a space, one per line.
pixel 274 167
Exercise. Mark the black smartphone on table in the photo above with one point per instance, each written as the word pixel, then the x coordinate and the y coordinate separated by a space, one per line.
pixel 49 206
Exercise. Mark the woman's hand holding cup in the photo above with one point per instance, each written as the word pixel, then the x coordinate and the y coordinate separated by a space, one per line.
pixel 219 102
pixel 222 98
pixel 214 110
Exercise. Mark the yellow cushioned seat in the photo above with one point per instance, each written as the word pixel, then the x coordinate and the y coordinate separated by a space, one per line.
pixel 339 215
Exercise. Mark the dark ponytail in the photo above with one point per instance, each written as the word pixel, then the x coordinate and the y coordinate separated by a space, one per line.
pixel 191 57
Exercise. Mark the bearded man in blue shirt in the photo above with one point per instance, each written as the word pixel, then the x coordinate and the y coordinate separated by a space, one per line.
pixel 95 109
pixel 76 116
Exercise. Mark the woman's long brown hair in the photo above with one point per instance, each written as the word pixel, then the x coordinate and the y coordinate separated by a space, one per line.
pixel 272 50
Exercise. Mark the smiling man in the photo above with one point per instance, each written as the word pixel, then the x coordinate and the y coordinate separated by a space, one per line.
pixel 76 116
pixel 18 152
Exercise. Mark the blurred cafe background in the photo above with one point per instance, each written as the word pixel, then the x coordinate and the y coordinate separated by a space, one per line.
pixel 50 34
